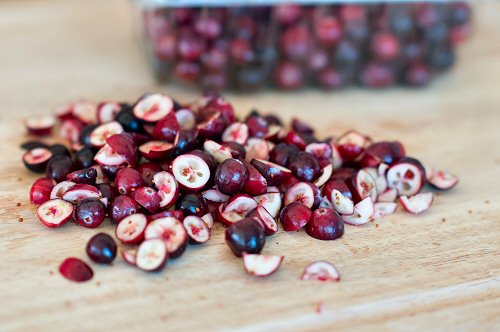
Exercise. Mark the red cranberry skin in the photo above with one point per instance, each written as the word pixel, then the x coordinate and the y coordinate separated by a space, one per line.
pixel 192 205
pixel 148 171
pixel 325 224
pixel 121 207
pixel 255 184
pixel 296 42
pixel 257 126
pixel 418 75
pixel 101 248
pixel 385 46
pixel 107 191
pixel 382 152
pixel 338 184
pixel 40 190
pixel 127 180
pixel 241 51
pixel 282 153
pixel 187 71
pixel 237 150
pixel 75 269
pixel 190 48
pixel 377 75
pixel 110 172
pixel 305 167
pixel 289 76
pixel 328 31
pixel 90 213
pixel 295 216
pixel 86 176
pixel 247 235
pixel 59 167
pixel 148 198
pixel 231 176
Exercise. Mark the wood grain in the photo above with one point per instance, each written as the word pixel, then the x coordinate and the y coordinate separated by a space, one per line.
pixel 439 271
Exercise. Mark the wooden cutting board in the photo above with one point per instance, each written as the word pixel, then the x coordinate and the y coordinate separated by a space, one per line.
pixel 437 271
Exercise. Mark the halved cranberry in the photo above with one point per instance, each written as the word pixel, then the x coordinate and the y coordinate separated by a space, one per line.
pixel 197 230
pixel 75 269
pixel 130 230
pixel 99 135
pixel 257 148
pixel 295 216
pixel 261 265
pixel 36 160
pixel 186 119
pixel 351 144
pixel 341 203
pixel 442 180
pixel 101 248
pixel 362 185
pixel 407 175
pixel 217 151
pixel 265 218
pixel 190 171
pixel 166 129
pixel 151 255
pixel 86 176
pixel 90 213
pixel 247 236
pixel 326 174
pixel 71 129
pixel 124 145
pixel 273 173
pixel 171 232
pixel 383 208
pixel 85 111
pixel 40 190
pixel 236 132
pixel 156 150
pixel 121 207
pixel 55 212
pixel 212 125
pixel 418 203
pixel 127 180
pixel 107 111
pixel 325 224
pixel 338 184
pixel 148 198
pixel 321 271
pixel 257 126
pixel 300 192
pixel 168 189
pixel 106 156
pixel 231 176
pixel 80 191
pixel 40 125
pixel 153 107
pixel 236 208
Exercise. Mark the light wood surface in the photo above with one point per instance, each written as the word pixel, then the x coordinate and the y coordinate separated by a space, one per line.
pixel 439 271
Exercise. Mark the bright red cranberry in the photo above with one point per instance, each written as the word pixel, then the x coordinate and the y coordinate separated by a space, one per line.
pixel 208 27
pixel 192 205
pixel 190 48
pixel 325 224
pixel 90 213
pixel 101 248
pixel 187 71
pixel 289 76
pixel 247 235
pixel 305 166
pixel 76 270
pixel 127 180
pixel 121 207
pixel 241 51
pixel 166 47
pixel 295 216
pixel 231 176
pixel 296 42
pixel 418 75
pixel 385 46
pixel 328 31
pixel 148 171
pixel 377 75
pixel 288 13
pixel 40 190
pixel 59 167
pixel 215 59
pixel 148 198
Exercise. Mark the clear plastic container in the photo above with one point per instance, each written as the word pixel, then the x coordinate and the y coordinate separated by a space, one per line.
pixel 250 45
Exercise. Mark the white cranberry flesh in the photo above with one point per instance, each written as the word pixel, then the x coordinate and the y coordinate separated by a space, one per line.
pixel 196 228
pixel 321 271
pixel 418 203
pixel 261 265
pixel 55 212
pixel 191 171
pixel 130 230
pixel 152 255
pixel 363 213
pixel 153 107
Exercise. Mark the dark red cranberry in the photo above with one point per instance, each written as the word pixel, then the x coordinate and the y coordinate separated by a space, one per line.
pixel 60 150
pixel 84 137
pixel 190 48
pixel 460 13
pixel 385 46
pixel 377 75
pixel 282 153
pixel 121 207
pixel 297 139
pixel 192 205
pixel 301 127
pixel 148 171
pixel 231 176
pixel 346 54
pixel 305 166
pixel 331 79
pixel 101 248
pixel 237 150
pixel 127 180
pixel 215 59
pixel 247 235
pixel 272 119
pixel 437 34
pixel 328 30
pixel 37 160
pixel 90 213
pixel 255 184
pixel 76 270
pixel 148 198
pixel 289 76
pixel 343 173
pixel 295 216
pixel 214 81
pixel 59 167
pixel 382 152
pixel 211 162
pixel 30 145
pixel 185 141
pixel 111 171
pixel 128 120
pixel 124 145
pixel 87 176
pixel 338 184
pixel 325 224
pixel 241 51
pixel 107 191
pixel 167 128
pixel 414 51
pixel 317 195
pixel 187 71
pixel 418 75
pixel 257 126
pixel 442 58
pixel 84 158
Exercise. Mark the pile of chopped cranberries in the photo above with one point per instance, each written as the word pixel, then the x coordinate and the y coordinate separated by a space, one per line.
pixel 163 172
pixel 331 46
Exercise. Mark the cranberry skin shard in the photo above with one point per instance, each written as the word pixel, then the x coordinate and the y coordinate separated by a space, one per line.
pixel 325 224
pixel 231 176
pixel 247 235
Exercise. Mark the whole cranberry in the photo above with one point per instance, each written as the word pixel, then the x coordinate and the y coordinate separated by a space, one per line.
pixel 289 76
pixel 414 51
pixel 127 180
pixel 377 75
pixel 247 235
pixel 385 46
pixel 231 176
pixel 295 216
pixel 101 248
pixel 208 27
pixel 90 213
pixel 418 75
pixel 318 59
pixel 331 79
pixel 59 167
pixel 241 51
pixel 166 47
pixel 121 207
pixel 190 48
pixel 187 71
pixel 325 224
pixel 192 205
pixel 215 59
pixel 328 31
pixel 296 42
pixel 305 166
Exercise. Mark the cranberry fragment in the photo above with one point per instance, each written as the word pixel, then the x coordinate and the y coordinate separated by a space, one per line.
pixel 247 236
pixel 295 216
pixel 75 269
pixel 321 271
pixel 148 198
pixel 261 265
pixel 86 176
pixel 101 248
pixel 121 207
pixel 171 231
pixel 128 180
pixel 325 224
pixel 152 255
